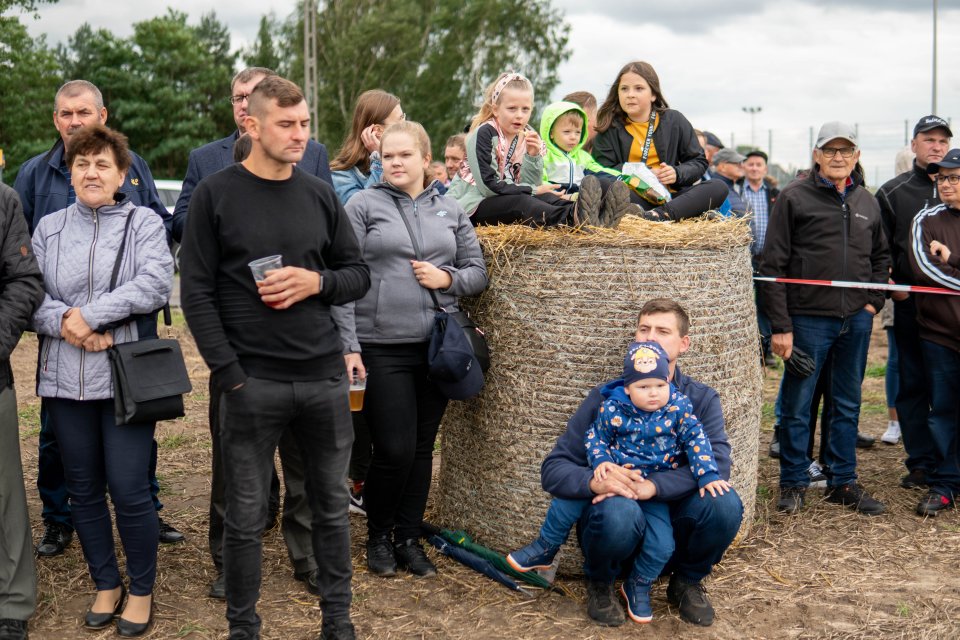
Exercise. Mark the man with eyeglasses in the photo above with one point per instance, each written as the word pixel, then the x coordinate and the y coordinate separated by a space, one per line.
pixel 935 259
pixel 900 200
pixel 205 161
pixel 43 184
pixel 825 226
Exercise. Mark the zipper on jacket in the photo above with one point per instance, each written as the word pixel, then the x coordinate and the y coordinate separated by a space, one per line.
pixel 416 218
pixel 90 258
pixel 843 269
pixel 45 351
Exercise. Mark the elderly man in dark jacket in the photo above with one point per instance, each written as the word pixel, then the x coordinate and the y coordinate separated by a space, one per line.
pixel 824 227
pixel 21 290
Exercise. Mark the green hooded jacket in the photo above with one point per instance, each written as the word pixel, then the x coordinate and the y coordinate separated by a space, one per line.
pixel 562 167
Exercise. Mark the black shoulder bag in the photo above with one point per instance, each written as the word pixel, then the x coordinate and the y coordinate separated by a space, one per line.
pixel 439 365
pixel 149 375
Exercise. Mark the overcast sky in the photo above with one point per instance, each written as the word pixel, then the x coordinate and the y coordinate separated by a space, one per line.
pixel 802 62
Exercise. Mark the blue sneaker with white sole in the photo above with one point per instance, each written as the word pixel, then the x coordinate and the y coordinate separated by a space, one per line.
pixel 539 554
pixel 637 594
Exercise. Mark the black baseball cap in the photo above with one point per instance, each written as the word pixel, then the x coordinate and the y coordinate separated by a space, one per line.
pixel 712 140
pixel 950 161
pixel 928 123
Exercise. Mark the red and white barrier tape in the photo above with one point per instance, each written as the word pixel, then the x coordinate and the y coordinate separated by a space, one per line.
pixel 846 284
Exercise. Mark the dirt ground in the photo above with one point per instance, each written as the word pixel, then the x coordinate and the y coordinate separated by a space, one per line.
pixel 825 573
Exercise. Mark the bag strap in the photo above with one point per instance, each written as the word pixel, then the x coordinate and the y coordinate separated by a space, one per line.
pixel 416 247
pixel 167 318
pixel 646 143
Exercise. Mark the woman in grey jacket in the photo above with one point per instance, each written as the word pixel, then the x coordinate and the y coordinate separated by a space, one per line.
pixel 77 249
pixel 391 326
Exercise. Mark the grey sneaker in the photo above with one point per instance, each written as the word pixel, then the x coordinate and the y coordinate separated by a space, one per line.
pixel 854 496
pixel 603 606
pixel 791 499
pixel 818 479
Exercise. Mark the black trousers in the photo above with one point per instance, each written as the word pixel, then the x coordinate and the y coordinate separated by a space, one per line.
pixel 691 201
pixel 403 409
pixel 545 210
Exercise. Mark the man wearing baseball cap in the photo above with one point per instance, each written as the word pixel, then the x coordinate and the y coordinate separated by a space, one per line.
pixel 728 169
pixel 825 227
pixel 935 259
pixel 900 200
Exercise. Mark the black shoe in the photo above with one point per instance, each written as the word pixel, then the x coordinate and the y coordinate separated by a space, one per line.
pixel 169 535
pixel 273 519
pixel 357 505
pixel 337 629
pixel 218 588
pixel 934 503
pixel 55 539
pixel 853 495
pixel 309 578
pixel 93 620
pixel 774 451
pixel 916 479
pixel 13 629
pixel 127 629
pixel 864 441
pixel 380 557
pixel 791 499
pixel 603 605
pixel 410 556
pixel 692 600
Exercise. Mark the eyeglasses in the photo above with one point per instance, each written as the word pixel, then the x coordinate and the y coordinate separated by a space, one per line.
pixel 952 179
pixel 831 152
pixel 237 99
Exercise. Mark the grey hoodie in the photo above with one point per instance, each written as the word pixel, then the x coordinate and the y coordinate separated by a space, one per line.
pixel 77 248
pixel 397 309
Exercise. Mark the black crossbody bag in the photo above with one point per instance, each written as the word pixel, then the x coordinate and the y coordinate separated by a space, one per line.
pixel 149 375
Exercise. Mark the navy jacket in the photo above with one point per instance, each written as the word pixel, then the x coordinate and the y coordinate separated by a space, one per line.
pixel 43 188
pixel 566 473
pixel 217 155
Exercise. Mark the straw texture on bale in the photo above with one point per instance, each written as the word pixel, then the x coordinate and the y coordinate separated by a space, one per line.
pixel 558 314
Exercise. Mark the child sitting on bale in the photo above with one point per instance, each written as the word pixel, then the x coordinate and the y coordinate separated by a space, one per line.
pixel 603 199
pixel 646 424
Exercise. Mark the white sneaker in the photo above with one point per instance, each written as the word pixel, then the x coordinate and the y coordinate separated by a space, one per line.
pixel 817 477
pixel 892 434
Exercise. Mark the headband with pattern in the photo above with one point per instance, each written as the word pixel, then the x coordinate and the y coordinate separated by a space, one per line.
pixel 502 84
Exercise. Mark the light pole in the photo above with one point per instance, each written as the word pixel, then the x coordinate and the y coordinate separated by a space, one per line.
pixel 753 111
pixel 934 77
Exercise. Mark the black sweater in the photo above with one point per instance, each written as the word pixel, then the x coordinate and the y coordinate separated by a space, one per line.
pixel 236 217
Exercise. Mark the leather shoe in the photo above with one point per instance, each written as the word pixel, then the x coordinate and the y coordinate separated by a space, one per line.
pixel 218 588
pixel 169 535
pixel 55 539
pixel 102 620
pixel 309 578
pixel 410 556
pixel 127 629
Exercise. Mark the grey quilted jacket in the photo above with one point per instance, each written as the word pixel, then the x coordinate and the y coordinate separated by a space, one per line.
pixel 77 248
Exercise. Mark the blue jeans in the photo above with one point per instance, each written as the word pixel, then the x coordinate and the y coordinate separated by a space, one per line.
pixel 913 397
pixel 98 456
pixel 944 367
pixel 847 341
pixel 611 531
pixel 252 420
pixel 51 482
pixel 892 377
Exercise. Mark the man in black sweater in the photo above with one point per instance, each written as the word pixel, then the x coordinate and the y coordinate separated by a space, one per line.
pixel 272 347
pixel 900 200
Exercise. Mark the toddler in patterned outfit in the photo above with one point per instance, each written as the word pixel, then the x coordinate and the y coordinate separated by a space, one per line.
pixel 648 425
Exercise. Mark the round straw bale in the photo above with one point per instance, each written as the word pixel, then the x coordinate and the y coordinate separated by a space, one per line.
pixel 560 309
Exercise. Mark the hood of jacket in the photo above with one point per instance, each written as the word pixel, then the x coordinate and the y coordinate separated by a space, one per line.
pixel 550 115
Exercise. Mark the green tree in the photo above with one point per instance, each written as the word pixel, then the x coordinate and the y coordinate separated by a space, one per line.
pixel 166 87
pixel 26 5
pixel 436 55
pixel 29 77
pixel 263 52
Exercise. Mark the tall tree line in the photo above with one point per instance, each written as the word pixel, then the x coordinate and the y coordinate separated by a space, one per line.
pixel 166 85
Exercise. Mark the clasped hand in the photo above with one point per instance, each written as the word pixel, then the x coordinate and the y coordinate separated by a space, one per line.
pixel 75 330
pixel 613 480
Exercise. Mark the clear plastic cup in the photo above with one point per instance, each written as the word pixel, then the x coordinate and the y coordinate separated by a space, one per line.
pixel 357 389
pixel 260 266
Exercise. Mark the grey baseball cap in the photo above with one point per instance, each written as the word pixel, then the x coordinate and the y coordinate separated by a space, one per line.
pixel 728 155
pixel 833 130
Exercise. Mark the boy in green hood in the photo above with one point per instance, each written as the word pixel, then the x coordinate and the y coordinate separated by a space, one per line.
pixel 603 199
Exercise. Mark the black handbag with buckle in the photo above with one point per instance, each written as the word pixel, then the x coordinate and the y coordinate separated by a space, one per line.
pixel 149 375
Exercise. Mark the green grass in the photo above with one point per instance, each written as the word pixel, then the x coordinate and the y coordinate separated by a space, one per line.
pixel 876 371
pixel 903 610
pixel 173 441
pixel 763 492
pixel 176 316
pixel 191 628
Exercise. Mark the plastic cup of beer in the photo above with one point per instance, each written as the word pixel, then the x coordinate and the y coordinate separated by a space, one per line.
pixel 260 266
pixel 357 389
